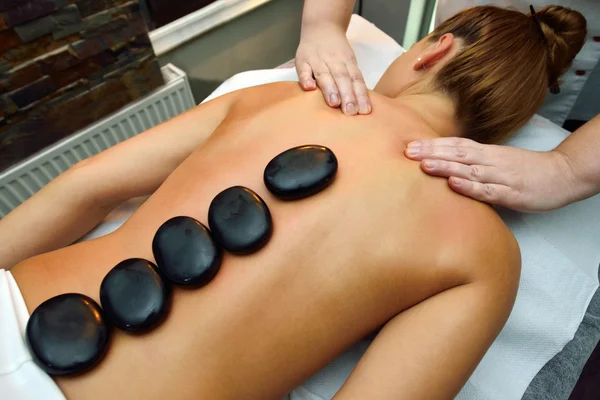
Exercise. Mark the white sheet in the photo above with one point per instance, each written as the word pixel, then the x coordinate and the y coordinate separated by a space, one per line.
pixel 560 251
pixel 20 377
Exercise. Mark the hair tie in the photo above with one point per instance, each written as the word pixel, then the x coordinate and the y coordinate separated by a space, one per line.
pixel 538 23
pixel 554 88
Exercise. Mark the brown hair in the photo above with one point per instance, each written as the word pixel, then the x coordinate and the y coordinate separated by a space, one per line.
pixel 507 62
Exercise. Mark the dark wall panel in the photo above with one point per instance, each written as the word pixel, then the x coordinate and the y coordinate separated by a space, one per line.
pixel 64 64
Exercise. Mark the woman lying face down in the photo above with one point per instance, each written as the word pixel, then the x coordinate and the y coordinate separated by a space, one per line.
pixel 294 279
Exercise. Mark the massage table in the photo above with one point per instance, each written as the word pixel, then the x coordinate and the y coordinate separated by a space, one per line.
pixel 560 253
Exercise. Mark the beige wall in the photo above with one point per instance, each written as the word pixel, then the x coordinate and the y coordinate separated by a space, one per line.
pixel 388 15
pixel 263 38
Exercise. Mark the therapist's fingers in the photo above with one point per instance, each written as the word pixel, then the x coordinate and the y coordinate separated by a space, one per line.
pixel 476 173
pixel 447 141
pixel 486 192
pixel 343 81
pixel 305 76
pixel 327 84
pixel 360 88
pixel 465 155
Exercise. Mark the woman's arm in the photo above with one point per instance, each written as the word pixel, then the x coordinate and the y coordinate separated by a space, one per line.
pixel 427 352
pixel 77 200
pixel 324 54
pixel 519 179
pixel 430 350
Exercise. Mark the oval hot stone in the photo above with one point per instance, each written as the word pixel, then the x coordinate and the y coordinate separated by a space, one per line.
pixel 240 220
pixel 300 172
pixel 134 295
pixel 186 252
pixel 67 334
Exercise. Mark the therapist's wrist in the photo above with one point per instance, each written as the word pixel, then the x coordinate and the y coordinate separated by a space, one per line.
pixel 321 30
pixel 564 183
pixel 579 175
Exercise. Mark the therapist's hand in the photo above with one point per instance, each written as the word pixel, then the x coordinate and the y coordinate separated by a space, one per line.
pixel 324 53
pixel 519 179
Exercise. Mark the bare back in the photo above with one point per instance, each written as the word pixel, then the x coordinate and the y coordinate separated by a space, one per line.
pixel 339 264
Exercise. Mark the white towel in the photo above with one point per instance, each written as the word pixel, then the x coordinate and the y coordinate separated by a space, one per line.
pixel 20 377
pixel 560 251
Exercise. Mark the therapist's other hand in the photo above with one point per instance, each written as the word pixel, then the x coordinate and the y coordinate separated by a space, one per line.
pixel 325 54
pixel 519 179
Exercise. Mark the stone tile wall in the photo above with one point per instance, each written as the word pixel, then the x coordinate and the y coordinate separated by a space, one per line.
pixel 64 64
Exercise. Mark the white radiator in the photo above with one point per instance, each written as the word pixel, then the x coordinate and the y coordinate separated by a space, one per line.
pixel 20 182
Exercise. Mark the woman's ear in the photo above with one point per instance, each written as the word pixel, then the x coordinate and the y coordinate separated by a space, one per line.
pixel 435 52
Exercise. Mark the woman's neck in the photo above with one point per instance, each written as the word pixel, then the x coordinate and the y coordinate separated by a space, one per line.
pixel 435 109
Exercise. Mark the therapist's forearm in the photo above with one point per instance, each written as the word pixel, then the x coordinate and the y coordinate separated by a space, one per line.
pixel 580 153
pixel 319 13
pixel 55 217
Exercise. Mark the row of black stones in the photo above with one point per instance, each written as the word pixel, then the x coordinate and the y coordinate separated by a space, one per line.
pixel 69 334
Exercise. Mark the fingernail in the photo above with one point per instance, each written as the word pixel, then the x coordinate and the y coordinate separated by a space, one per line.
pixel 309 84
pixel 412 151
pixel 456 181
pixel 350 109
pixel 334 99
pixel 429 164
pixel 414 144
pixel 363 107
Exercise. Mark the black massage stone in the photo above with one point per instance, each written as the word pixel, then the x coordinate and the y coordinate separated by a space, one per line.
pixel 67 334
pixel 240 220
pixel 134 295
pixel 186 252
pixel 300 172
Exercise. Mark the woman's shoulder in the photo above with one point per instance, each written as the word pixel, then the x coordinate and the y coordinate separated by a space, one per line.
pixel 255 98
pixel 480 239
